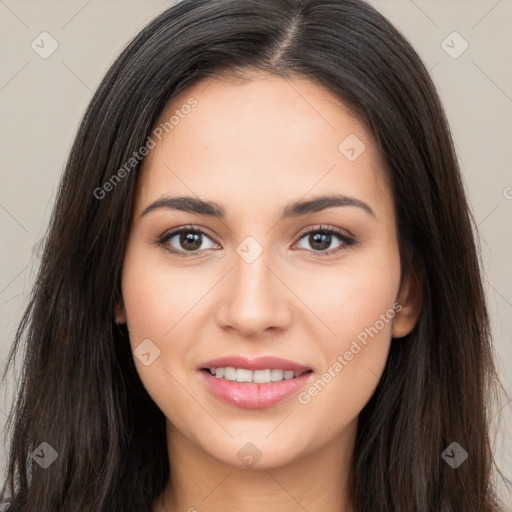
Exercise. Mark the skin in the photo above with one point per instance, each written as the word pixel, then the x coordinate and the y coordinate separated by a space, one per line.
pixel 253 148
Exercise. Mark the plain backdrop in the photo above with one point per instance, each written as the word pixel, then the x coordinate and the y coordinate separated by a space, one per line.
pixel 466 45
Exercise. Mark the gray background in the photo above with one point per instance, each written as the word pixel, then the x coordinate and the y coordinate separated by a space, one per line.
pixel 43 99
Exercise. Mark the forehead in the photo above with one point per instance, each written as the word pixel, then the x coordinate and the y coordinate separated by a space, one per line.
pixel 258 140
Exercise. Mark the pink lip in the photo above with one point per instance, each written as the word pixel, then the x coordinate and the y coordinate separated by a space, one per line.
pixel 252 395
pixel 258 363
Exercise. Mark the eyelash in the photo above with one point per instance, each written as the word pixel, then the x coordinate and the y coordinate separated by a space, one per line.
pixel 346 240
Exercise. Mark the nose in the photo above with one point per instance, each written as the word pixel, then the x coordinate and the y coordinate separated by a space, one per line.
pixel 254 298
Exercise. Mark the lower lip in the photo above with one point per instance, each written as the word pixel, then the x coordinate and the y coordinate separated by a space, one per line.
pixel 251 395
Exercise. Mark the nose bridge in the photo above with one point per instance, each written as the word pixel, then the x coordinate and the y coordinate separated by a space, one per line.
pixel 253 299
pixel 251 272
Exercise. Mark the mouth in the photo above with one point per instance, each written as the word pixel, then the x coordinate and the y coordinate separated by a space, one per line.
pixel 258 376
pixel 254 383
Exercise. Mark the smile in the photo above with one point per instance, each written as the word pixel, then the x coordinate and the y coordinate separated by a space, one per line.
pixel 258 376
pixel 253 383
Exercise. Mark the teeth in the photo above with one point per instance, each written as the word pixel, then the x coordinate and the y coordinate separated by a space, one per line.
pixel 262 376
pixel 276 375
pixel 259 376
pixel 243 375
pixel 229 373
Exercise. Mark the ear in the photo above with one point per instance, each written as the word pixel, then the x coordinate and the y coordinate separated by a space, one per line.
pixel 410 300
pixel 119 313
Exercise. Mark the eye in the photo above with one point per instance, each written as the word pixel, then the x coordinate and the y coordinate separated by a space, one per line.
pixel 188 240
pixel 321 238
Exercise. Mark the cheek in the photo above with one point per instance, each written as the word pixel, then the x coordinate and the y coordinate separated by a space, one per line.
pixel 359 307
pixel 157 296
pixel 355 355
pixel 156 299
pixel 351 298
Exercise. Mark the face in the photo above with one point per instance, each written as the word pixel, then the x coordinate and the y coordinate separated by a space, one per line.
pixel 317 285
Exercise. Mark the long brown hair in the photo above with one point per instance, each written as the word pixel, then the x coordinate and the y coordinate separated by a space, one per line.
pixel 79 390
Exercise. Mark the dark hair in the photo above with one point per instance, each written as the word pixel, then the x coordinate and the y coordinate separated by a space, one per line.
pixel 79 390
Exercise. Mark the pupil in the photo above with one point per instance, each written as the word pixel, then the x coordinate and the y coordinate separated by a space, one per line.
pixel 190 238
pixel 321 238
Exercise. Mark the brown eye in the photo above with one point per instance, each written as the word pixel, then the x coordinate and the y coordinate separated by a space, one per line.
pixel 190 241
pixel 184 240
pixel 320 240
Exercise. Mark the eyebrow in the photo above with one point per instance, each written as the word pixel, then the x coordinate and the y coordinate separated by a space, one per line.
pixel 194 205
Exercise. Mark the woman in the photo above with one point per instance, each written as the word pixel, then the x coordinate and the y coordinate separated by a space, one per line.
pixel 260 288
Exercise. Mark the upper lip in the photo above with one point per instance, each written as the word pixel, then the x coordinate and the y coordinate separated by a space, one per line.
pixel 257 363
